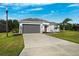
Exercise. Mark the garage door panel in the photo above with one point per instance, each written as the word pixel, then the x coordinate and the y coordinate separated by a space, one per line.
pixel 31 28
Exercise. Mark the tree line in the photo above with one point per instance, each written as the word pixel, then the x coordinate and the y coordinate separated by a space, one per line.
pixel 13 25
pixel 65 25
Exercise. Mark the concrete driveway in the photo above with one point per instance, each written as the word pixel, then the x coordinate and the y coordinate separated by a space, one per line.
pixel 42 45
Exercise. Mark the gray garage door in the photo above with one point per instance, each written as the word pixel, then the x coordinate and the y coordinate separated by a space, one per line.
pixel 31 28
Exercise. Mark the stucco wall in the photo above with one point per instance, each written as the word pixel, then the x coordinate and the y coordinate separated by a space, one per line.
pixel 50 28
pixel 20 28
pixel 42 28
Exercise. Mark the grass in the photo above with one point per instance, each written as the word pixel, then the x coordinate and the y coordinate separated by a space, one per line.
pixel 10 46
pixel 72 36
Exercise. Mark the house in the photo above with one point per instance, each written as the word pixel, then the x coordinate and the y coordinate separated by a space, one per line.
pixel 35 25
pixel 76 27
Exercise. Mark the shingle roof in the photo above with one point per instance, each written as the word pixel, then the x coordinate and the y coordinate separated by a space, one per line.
pixel 37 20
pixel 53 23
pixel 34 19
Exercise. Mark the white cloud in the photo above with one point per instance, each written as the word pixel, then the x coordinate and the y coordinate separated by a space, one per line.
pixel 73 5
pixel 17 6
pixel 21 4
pixel 25 4
pixel 35 9
pixel 2 6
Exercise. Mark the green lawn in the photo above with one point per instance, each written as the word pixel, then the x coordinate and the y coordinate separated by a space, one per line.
pixel 11 45
pixel 72 36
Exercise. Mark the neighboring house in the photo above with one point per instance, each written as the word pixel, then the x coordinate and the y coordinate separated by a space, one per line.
pixel 76 27
pixel 34 25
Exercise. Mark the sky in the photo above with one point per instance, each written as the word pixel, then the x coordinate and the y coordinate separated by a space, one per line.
pixel 54 12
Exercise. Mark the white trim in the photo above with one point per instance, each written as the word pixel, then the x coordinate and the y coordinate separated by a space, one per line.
pixel 20 28
pixel 30 23
pixel 45 23
pixel 41 25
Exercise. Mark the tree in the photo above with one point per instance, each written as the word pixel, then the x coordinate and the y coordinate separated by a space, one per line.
pixel 15 25
pixel 69 26
pixel 65 22
pixel 10 25
pixel 2 21
pixel 2 25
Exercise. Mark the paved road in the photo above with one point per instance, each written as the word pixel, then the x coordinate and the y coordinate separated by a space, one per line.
pixel 42 45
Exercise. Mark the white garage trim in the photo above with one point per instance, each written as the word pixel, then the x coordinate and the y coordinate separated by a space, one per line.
pixel 21 27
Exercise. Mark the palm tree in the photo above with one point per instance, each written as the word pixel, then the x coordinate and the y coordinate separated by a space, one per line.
pixel 65 22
